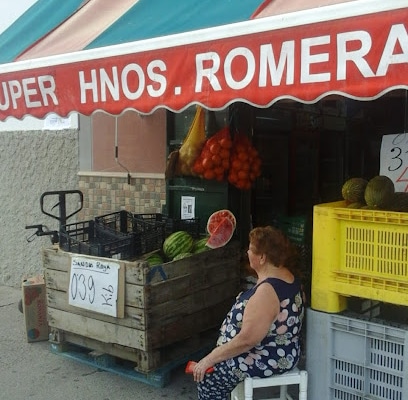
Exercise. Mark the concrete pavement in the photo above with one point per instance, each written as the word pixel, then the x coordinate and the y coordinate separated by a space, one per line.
pixel 31 371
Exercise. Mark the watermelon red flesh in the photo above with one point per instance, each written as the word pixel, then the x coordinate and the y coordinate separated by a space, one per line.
pixel 222 234
pixel 216 217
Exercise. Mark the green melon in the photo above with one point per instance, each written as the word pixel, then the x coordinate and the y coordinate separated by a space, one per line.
pixel 399 202
pixel 177 243
pixel 353 190
pixel 200 245
pixel 181 256
pixel 379 192
pixel 356 204
pixel 154 259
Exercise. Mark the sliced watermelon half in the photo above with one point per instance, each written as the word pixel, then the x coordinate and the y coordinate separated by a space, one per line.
pixel 216 217
pixel 222 234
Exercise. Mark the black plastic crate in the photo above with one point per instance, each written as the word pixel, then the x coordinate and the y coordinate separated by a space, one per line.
pixel 148 236
pixel 87 237
pixel 192 225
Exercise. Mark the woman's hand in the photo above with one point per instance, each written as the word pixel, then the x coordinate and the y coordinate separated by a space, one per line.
pixel 200 368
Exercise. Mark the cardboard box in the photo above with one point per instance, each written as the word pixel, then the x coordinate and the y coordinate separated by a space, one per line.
pixel 35 308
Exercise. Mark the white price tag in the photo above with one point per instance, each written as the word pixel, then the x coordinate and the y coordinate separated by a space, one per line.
pixel 394 160
pixel 187 207
pixel 94 285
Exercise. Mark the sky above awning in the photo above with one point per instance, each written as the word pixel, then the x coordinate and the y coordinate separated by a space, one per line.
pixel 99 23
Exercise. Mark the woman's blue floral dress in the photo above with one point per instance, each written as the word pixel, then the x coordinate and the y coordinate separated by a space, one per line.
pixel 277 353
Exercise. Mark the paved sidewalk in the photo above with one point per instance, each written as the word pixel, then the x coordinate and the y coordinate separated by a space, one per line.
pixel 30 371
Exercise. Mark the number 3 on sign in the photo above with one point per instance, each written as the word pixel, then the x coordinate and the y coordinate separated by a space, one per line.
pixel 394 160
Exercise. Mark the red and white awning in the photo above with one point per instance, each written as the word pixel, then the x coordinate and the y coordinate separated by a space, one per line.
pixel 357 49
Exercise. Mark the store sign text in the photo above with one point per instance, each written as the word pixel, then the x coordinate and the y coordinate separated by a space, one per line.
pixel 133 81
pixel 290 63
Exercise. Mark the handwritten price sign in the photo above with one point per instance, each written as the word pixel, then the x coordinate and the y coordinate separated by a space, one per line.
pixel 394 160
pixel 94 285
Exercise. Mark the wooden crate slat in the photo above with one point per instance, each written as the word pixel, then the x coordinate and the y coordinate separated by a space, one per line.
pixel 184 299
pixel 134 317
pixel 195 302
pixel 149 361
pixel 96 329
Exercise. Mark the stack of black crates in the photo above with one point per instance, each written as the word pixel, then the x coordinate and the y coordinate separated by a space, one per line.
pixel 122 234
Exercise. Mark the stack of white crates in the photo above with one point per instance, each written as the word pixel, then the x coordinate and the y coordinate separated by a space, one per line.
pixel 358 253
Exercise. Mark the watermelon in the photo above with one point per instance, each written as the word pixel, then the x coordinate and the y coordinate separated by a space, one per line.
pixel 216 217
pixel 353 190
pixel 379 192
pixel 181 256
pixel 200 245
pixel 177 243
pixel 154 259
pixel 222 234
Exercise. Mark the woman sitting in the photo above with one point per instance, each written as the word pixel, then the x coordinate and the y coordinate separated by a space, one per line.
pixel 260 335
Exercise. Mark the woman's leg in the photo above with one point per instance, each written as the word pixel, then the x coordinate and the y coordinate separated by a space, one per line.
pixel 218 384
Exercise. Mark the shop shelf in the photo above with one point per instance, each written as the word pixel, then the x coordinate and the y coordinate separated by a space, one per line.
pixel 358 252
pixel 87 237
pixel 350 357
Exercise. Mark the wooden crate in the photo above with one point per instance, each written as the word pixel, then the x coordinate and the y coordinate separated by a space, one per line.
pixel 167 309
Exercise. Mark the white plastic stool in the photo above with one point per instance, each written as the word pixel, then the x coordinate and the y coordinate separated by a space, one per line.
pixel 245 389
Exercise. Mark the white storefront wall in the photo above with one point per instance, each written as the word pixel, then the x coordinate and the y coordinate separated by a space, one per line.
pixel 36 156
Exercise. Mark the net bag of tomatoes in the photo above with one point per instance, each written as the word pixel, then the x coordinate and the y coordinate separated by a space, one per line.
pixel 245 163
pixel 214 159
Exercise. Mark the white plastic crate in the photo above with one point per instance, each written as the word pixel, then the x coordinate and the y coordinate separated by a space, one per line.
pixel 351 358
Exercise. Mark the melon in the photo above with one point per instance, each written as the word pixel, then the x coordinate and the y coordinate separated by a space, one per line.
pixel 379 192
pixel 353 190
pixel 177 243
pixel 200 245
pixel 181 256
pixel 154 259
pixel 399 202
pixel 216 217
pixel 356 204
pixel 222 234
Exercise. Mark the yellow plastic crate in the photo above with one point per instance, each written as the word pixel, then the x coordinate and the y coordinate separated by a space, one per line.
pixel 358 252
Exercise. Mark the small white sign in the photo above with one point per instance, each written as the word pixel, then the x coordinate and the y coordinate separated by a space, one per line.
pixel 54 122
pixel 187 207
pixel 94 285
pixel 394 160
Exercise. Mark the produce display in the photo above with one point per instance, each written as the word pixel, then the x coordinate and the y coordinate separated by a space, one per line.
pixel 200 245
pixel 181 161
pixel 245 164
pixel 353 190
pixel 221 226
pixel 154 259
pixel 222 157
pixel 376 194
pixel 379 192
pixel 215 219
pixel 214 160
pixel 178 245
pixel 192 145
